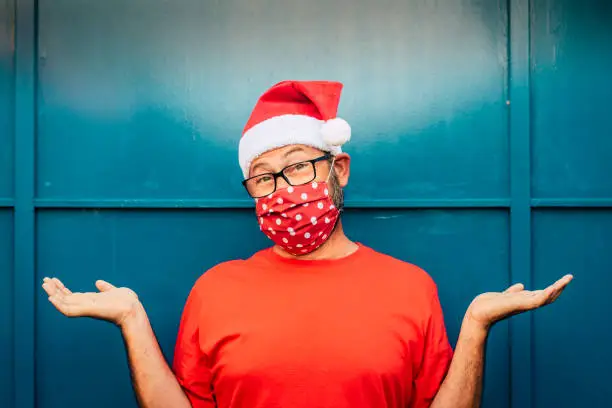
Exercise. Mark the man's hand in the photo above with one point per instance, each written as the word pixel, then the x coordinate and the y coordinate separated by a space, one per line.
pixel 154 383
pixel 489 308
pixel 110 303
pixel 462 386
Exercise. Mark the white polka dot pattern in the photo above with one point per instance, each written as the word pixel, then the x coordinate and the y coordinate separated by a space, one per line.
pixel 299 229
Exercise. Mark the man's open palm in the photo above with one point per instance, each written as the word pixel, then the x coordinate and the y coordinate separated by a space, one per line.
pixel 110 303
pixel 491 307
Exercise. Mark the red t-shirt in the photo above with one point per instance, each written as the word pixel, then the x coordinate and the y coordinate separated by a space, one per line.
pixel 364 331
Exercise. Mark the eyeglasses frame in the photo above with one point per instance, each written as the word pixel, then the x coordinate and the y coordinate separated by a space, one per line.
pixel 275 176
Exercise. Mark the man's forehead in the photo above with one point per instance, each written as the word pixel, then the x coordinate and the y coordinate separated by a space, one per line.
pixel 276 155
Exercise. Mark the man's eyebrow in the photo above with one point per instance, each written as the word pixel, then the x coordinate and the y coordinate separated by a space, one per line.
pixel 294 150
pixel 258 165
pixel 285 155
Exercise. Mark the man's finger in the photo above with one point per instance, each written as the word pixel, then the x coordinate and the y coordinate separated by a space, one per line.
pixel 103 286
pixel 528 300
pixel 566 280
pixel 75 304
pixel 517 287
pixel 67 307
pixel 61 286
pixel 49 286
pixel 555 295
pixel 48 289
pixel 57 302
pixel 563 282
pixel 555 290
pixel 546 296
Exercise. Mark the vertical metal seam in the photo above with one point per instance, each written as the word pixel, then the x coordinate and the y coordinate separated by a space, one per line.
pixel 24 238
pixel 508 129
pixel 521 333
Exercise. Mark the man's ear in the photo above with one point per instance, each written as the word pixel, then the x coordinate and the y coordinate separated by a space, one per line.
pixel 342 168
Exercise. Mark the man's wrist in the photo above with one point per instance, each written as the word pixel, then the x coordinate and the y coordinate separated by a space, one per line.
pixel 474 329
pixel 134 318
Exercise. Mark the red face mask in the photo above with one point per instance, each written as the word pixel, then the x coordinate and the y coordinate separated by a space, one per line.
pixel 298 218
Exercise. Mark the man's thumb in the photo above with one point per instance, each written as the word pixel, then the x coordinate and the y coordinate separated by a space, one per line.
pixel 103 286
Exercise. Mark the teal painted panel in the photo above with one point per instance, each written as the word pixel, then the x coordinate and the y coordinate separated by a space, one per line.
pixel 6 308
pixel 571 91
pixel 572 338
pixel 151 98
pixel 159 254
pixel 466 252
pixel 7 100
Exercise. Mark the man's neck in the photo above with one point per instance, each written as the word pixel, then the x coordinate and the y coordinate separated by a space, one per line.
pixel 337 246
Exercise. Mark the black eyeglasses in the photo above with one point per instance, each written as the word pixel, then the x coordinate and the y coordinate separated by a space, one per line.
pixel 294 174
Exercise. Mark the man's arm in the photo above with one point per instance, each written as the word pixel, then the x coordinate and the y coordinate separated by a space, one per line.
pixel 462 387
pixel 154 383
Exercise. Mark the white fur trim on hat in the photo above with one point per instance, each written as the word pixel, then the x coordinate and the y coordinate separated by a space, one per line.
pixel 286 130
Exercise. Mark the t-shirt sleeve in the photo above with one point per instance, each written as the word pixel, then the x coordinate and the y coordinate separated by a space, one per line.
pixel 436 358
pixel 190 365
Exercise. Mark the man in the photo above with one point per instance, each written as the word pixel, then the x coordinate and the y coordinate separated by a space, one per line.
pixel 317 320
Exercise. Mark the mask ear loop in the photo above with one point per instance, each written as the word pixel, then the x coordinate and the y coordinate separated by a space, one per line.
pixel 331 169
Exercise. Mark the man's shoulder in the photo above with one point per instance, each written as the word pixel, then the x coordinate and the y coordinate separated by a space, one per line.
pixel 404 283
pixel 396 269
pixel 226 271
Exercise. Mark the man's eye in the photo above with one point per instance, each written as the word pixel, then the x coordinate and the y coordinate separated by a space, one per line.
pixel 264 179
pixel 300 166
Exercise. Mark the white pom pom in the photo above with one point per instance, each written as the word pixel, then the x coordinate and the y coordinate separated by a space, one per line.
pixel 336 132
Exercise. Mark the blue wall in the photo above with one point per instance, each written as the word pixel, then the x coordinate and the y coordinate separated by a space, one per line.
pixel 6 202
pixel 481 150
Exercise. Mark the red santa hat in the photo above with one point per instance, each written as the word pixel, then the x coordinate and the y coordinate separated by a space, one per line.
pixel 294 112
